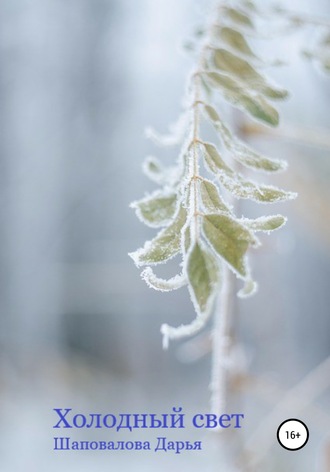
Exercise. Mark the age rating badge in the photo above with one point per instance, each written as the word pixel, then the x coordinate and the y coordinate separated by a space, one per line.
pixel 292 434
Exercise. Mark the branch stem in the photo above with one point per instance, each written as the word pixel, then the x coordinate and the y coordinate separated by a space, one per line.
pixel 222 343
pixel 195 177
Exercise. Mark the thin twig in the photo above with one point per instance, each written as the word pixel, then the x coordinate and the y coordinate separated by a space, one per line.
pixel 221 346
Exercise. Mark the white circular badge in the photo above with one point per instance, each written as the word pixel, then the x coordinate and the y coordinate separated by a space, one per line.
pixel 292 434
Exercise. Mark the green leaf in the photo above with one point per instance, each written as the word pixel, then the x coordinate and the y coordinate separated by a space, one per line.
pixel 247 189
pixel 211 113
pixel 239 150
pixel 255 105
pixel 249 5
pixel 265 223
pixel 157 209
pixel 235 65
pixel 235 40
pixel 153 169
pixel 164 246
pixel 166 176
pixel 230 240
pixel 225 83
pixel 239 17
pixel 211 199
pixel 203 276
pixel 186 239
pixel 252 159
pixel 236 184
pixel 214 161
pixel 243 71
pixel 258 107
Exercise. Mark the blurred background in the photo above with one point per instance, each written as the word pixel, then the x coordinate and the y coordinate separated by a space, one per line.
pixel 79 82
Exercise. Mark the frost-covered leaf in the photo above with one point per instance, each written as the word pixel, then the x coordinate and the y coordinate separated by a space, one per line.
pixel 186 239
pixel 242 188
pixel 211 113
pixel 153 169
pixel 161 139
pixel 259 108
pixel 247 156
pixel 227 84
pixel 239 150
pixel 265 223
pixel 246 74
pixel 230 239
pixel 238 17
pixel 166 176
pixel 249 5
pixel 164 246
pixel 235 40
pixel 236 66
pixel 214 161
pixel 234 182
pixel 176 132
pixel 249 289
pixel 161 284
pixel 171 332
pixel 211 199
pixel 157 209
pixel 203 275
pixel 235 94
